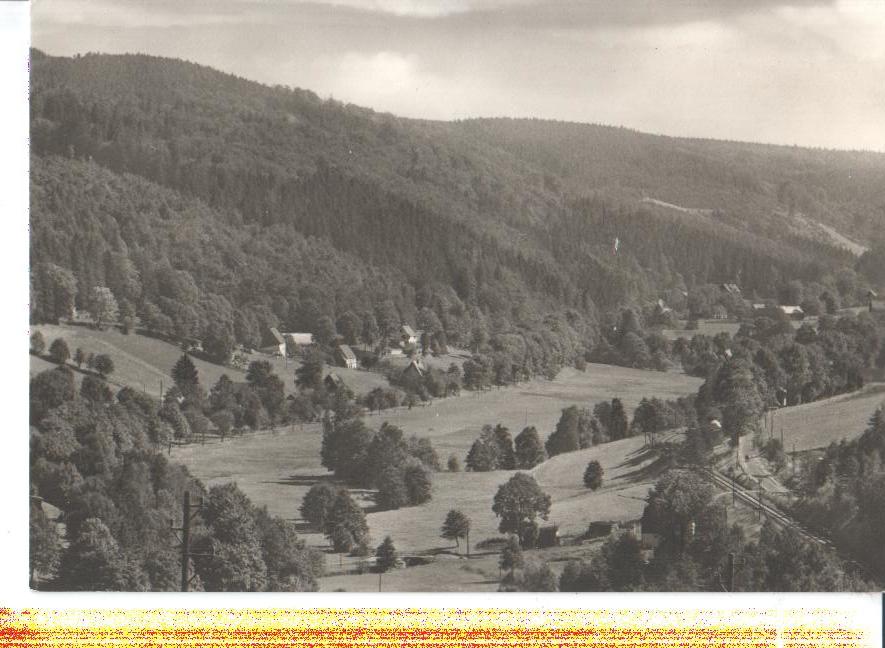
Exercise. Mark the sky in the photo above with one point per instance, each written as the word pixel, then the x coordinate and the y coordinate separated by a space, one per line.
pixel 805 72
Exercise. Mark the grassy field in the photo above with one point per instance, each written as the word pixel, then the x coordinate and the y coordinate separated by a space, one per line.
pixel 145 363
pixel 277 469
pixel 817 424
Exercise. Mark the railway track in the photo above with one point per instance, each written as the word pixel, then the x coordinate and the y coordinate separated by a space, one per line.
pixel 785 520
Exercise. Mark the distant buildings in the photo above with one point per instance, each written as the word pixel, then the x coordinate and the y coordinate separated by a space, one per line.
pixel 345 356
pixel 290 343
pixel 409 336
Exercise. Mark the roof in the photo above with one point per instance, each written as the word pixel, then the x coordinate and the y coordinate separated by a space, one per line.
pixel 791 310
pixel 300 338
pixel 276 335
pixel 731 288
pixel 346 352
pixel 335 378
pixel 408 330
pixel 416 365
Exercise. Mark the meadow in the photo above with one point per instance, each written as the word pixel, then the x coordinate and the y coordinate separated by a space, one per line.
pixel 816 425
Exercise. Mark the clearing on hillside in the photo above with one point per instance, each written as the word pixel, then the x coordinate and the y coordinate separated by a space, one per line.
pixel 817 424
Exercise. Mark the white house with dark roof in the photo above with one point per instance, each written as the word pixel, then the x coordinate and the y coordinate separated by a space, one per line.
pixel 345 356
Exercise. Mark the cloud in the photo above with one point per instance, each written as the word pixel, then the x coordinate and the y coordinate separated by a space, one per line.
pixel 765 70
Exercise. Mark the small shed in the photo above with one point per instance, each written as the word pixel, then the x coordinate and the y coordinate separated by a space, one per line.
pixel 548 536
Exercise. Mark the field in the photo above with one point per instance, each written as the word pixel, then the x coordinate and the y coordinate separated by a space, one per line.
pixel 277 469
pixel 817 424
pixel 145 363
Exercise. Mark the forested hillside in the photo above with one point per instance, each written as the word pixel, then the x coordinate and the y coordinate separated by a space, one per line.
pixel 215 207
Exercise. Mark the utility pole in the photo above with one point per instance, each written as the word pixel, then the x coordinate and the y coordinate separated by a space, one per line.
pixel 733 491
pixel 188 511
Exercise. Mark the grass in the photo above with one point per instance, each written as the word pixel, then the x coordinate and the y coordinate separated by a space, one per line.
pixel 817 424
pixel 145 363
pixel 277 469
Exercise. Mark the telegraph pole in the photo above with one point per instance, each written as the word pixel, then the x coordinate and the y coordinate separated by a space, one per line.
pixel 188 511
pixel 185 540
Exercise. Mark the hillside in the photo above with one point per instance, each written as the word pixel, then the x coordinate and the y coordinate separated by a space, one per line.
pixel 216 207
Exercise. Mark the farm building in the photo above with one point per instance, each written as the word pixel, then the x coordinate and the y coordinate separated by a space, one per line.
pixel 333 381
pixel 280 340
pixel 793 311
pixel 296 341
pixel 548 536
pixel 345 356
pixel 408 335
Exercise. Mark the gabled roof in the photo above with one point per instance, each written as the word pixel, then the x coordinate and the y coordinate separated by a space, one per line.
pixel 300 338
pixel 277 336
pixel 334 378
pixel 346 352
pixel 414 365
pixel 408 330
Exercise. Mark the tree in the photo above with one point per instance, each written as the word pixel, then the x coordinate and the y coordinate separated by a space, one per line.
pixel 38 344
pixel 565 437
pixel 346 514
pixel 49 389
pixel 224 421
pixel 583 576
pixel 317 504
pixel 55 291
pixel 104 365
pixel 617 426
pixel 482 456
pixel 103 306
pixel 518 503
pixel 230 556
pixel 79 357
pixel 325 332
pixel 186 376
pixel 59 351
pixel 309 375
pixel 416 477
pixel 506 458
pixel 94 560
pixel 385 556
pixel 456 526
pixel 392 491
pixel 593 475
pixel 44 546
pixel 511 557
pixel 95 390
pixel 453 464
pixel 535 576
pixel 350 327
pixel 528 449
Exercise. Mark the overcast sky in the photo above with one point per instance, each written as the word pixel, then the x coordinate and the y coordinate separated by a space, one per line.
pixel 808 72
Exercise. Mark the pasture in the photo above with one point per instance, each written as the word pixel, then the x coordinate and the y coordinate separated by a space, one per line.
pixel 145 363
pixel 817 424
pixel 275 469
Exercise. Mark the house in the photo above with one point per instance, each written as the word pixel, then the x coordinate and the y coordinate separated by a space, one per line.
pixel 794 312
pixel 650 532
pixel 296 341
pixel 719 312
pixel 409 336
pixel 280 341
pixel 345 356
pixel 333 381
pixel 730 288
pixel 414 370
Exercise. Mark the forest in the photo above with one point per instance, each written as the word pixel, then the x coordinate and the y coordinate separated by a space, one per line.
pixel 216 208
